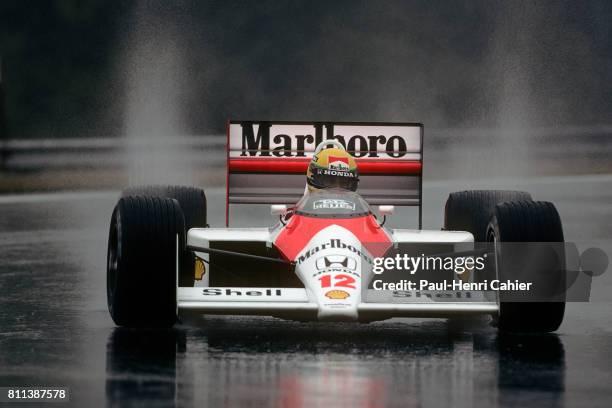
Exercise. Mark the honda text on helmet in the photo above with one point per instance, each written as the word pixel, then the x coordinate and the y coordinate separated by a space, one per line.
pixel 332 168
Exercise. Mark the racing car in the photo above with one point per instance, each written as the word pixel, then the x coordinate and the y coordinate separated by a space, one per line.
pixel 316 262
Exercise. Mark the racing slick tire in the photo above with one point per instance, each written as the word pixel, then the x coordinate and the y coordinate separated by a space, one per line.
pixel 471 210
pixel 141 261
pixel 530 221
pixel 193 203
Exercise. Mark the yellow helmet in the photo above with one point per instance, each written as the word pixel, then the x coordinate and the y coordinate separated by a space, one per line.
pixel 332 167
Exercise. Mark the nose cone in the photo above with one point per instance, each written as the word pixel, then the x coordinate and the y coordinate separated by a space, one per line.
pixel 331 267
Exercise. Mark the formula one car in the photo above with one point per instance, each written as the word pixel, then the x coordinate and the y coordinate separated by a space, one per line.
pixel 316 263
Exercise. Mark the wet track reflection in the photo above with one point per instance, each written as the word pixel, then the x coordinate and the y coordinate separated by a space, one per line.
pixel 273 363
pixel 55 330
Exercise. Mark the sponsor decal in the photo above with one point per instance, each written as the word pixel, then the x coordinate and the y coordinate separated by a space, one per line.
pixel 432 294
pixel 338 163
pixel 337 173
pixel 200 269
pixel 333 204
pixel 332 244
pixel 337 294
pixel 336 271
pixel 336 262
pixel 257 140
pixel 236 292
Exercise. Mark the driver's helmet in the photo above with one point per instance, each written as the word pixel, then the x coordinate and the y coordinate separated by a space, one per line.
pixel 332 167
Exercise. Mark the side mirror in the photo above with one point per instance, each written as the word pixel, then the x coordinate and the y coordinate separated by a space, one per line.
pixel 278 209
pixel 385 210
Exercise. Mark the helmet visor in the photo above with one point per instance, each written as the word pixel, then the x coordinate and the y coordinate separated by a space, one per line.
pixel 321 178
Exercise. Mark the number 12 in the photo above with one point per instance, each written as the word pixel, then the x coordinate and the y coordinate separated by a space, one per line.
pixel 340 281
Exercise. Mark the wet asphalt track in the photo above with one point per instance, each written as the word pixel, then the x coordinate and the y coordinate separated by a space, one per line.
pixel 55 328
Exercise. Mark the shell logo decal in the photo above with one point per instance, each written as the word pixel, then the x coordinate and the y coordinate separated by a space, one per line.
pixel 200 269
pixel 337 294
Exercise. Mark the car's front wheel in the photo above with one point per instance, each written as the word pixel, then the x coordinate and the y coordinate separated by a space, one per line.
pixel 192 201
pixel 141 264
pixel 529 245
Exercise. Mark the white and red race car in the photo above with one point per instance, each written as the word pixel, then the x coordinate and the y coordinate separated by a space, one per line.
pixel 318 262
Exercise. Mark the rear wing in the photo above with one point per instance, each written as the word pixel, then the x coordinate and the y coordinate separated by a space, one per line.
pixel 267 161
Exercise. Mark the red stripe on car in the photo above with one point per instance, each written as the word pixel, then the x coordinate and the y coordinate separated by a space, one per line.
pixel 300 229
pixel 301 165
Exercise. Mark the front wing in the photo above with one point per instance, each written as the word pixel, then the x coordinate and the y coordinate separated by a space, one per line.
pixel 294 303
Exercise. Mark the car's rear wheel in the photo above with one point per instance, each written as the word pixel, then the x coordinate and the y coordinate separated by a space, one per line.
pixel 193 204
pixel 472 210
pixel 543 265
pixel 141 262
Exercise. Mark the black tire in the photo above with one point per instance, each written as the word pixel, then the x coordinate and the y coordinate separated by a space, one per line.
pixel 530 221
pixel 193 203
pixel 472 210
pixel 141 261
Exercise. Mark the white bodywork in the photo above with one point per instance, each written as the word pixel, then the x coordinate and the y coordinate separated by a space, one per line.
pixel 345 263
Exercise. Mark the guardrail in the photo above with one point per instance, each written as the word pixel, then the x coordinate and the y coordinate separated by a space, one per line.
pixel 208 151
pixel 40 154
pixel 593 141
